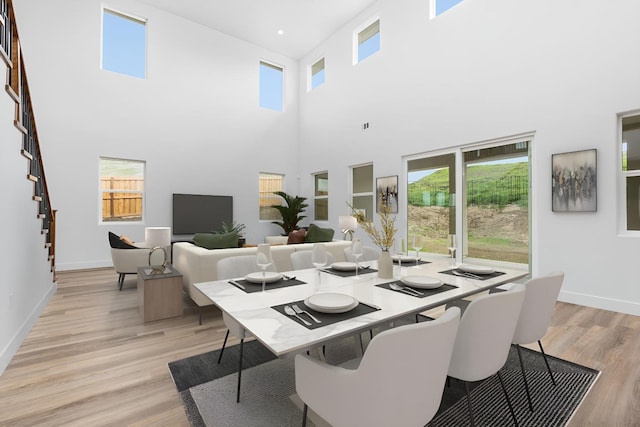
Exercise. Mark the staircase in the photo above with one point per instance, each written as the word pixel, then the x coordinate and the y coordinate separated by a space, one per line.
pixel 18 89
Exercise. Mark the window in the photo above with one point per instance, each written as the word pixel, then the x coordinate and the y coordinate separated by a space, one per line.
pixel 438 7
pixel 484 200
pixel 368 41
pixel 631 169
pixel 321 196
pixel 362 189
pixel 317 74
pixel 124 44
pixel 121 189
pixel 5 29
pixel 271 86
pixel 268 184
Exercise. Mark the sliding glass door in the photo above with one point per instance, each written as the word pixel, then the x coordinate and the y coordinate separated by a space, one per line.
pixel 490 215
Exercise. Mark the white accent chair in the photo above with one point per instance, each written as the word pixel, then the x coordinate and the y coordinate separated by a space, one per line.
pixel 484 339
pixel 539 302
pixel 233 268
pixel 380 392
pixel 369 253
pixel 302 259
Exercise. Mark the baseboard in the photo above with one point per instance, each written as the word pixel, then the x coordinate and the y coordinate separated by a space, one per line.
pixel 14 344
pixel 610 304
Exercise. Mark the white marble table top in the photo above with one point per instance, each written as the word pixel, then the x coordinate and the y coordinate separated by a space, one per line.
pixel 282 335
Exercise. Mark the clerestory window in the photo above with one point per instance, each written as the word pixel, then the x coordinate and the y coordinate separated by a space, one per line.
pixel 124 44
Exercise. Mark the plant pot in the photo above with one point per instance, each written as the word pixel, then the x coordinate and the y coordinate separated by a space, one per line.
pixel 385 266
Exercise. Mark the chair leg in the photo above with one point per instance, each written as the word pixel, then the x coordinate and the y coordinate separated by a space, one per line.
pixel 466 386
pixel 506 395
pixel 240 370
pixel 524 377
pixel 224 344
pixel 121 280
pixel 546 363
pixel 304 415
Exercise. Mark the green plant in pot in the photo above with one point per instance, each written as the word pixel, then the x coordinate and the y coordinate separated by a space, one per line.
pixel 238 228
pixel 295 205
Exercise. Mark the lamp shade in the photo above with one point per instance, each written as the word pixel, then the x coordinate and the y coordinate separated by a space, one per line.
pixel 157 236
pixel 347 222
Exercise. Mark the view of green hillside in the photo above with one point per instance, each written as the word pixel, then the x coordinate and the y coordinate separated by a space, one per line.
pixel 499 184
pixel 497 216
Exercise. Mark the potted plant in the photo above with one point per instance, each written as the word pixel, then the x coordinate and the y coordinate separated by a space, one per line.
pixel 382 238
pixel 290 212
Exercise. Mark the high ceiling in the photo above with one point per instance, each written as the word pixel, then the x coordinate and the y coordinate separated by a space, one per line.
pixel 304 23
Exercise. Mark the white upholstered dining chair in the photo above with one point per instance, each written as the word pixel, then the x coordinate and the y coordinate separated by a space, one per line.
pixel 398 382
pixel 230 268
pixel 540 300
pixel 369 253
pixel 302 259
pixel 484 339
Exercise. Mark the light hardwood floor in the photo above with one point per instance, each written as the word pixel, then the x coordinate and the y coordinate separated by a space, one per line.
pixel 91 361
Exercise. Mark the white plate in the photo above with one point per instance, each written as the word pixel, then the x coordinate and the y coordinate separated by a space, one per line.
pixel 476 269
pixel 422 282
pixel 404 258
pixel 331 303
pixel 344 266
pixel 269 277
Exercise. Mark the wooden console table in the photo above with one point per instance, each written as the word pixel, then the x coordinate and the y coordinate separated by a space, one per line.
pixel 159 295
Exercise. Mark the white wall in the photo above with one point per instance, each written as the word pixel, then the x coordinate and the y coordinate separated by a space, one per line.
pixel 27 282
pixel 195 120
pixel 488 69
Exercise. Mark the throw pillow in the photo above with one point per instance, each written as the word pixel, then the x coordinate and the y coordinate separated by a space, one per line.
pixel 216 241
pixel 117 243
pixel 296 236
pixel 318 234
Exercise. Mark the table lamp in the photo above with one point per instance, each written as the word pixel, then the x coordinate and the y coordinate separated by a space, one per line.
pixel 347 224
pixel 158 238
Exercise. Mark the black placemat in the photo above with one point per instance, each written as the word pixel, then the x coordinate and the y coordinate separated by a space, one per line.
pixel 478 276
pixel 250 287
pixel 324 318
pixel 409 263
pixel 343 273
pixel 425 292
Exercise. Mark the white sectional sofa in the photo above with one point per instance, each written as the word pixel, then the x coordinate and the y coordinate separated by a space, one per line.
pixel 197 264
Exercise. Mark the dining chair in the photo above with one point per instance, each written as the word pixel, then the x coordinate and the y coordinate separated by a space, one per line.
pixel 484 338
pixel 301 260
pixel 230 268
pixel 369 253
pixel 398 381
pixel 539 302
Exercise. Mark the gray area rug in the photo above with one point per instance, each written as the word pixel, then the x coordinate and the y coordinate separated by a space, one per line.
pixel 268 398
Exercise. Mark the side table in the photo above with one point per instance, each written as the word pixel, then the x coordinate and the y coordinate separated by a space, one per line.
pixel 159 295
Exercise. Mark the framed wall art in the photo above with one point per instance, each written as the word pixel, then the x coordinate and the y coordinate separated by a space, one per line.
pixel 573 181
pixel 387 191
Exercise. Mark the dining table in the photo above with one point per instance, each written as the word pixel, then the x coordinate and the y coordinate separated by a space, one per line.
pixel 376 303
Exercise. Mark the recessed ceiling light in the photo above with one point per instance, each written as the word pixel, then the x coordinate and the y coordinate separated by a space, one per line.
pixel 280 32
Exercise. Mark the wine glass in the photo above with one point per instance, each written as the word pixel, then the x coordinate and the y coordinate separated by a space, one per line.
pixel 417 246
pixel 318 258
pixel 452 244
pixel 356 251
pixel 263 260
pixel 398 251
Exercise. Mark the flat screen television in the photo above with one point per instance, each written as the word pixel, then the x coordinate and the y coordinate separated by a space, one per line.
pixel 198 213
